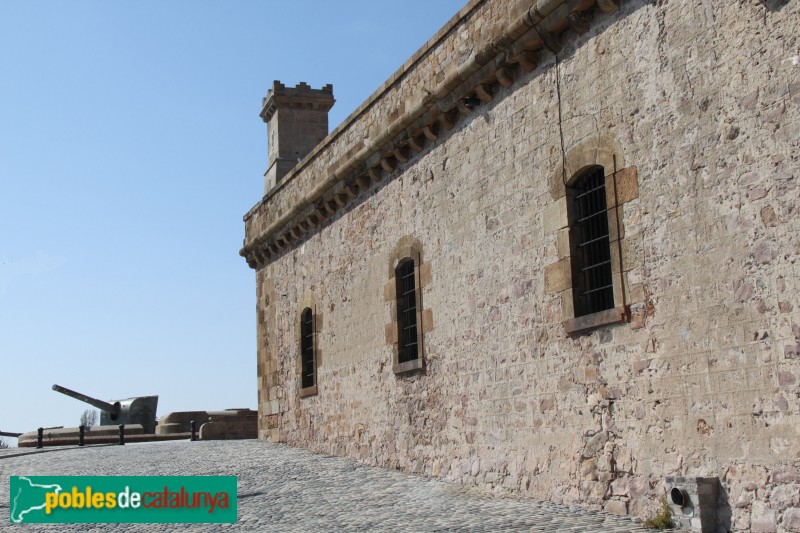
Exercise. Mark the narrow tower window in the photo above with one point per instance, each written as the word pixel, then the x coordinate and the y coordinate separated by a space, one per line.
pixel 593 288
pixel 408 342
pixel 308 363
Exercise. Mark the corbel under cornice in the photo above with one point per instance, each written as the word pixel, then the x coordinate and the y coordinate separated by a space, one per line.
pixel 517 49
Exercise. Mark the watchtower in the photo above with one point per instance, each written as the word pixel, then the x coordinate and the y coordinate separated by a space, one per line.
pixel 297 120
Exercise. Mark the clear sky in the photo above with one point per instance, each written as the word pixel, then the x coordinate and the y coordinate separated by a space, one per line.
pixel 130 149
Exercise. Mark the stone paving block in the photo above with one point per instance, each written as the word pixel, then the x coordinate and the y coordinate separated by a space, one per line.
pixel 289 489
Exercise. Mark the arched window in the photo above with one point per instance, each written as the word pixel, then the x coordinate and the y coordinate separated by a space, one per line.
pixel 308 370
pixel 407 337
pixel 590 245
pixel 409 320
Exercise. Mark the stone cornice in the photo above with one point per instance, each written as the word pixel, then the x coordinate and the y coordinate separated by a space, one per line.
pixel 397 120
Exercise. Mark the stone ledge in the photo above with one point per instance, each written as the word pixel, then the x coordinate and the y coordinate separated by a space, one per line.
pixel 584 323
pixel 308 391
pixel 408 366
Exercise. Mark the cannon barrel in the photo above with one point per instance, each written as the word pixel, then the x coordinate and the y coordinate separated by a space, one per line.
pixel 112 409
pixel 9 434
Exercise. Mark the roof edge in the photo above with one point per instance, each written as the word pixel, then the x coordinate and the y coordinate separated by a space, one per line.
pixel 328 179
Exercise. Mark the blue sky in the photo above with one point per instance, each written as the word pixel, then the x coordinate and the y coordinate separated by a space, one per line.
pixel 130 149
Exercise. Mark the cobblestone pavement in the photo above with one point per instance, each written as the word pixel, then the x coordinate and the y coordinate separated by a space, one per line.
pixel 289 489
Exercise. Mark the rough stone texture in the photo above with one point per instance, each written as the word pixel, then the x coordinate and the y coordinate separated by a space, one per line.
pixel 791 519
pixel 286 489
pixel 239 423
pixel 695 103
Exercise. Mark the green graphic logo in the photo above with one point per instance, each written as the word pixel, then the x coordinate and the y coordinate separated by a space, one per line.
pixel 122 499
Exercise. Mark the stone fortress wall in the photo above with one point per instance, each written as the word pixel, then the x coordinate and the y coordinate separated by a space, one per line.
pixel 691 107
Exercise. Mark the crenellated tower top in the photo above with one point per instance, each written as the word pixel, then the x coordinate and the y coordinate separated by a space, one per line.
pixel 297 120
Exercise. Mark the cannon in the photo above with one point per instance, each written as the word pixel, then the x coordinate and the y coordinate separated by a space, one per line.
pixel 137 410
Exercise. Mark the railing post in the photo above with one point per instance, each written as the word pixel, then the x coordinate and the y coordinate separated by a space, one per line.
pixel 121 434
pixel 194 430
pixel 40 434
pixel 81 431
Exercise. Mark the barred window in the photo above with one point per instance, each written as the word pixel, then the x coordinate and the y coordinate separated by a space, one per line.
pixel 593 289
pixel 308 363
pixel 407 339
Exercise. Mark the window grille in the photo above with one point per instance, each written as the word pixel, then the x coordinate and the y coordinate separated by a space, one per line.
pixel 307 348
pixel 593 287
pixel 406 311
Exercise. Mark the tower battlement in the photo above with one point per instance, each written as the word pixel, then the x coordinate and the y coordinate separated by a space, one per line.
pixel 301 96
pixel 297 120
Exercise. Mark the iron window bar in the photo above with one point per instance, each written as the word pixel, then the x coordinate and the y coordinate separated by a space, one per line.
pixel 595 289
pixel 406 311
pixel 307 348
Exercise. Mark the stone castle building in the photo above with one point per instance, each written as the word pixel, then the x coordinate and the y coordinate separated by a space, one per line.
pixel 556 253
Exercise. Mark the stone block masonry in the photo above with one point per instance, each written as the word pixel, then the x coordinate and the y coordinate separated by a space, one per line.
pixel 691 109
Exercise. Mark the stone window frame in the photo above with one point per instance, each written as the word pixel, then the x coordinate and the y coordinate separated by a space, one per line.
pixel 408 248
pixel 309 301
pixel 622 186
